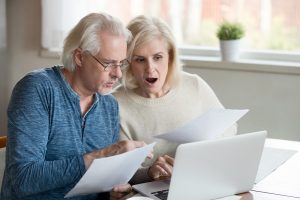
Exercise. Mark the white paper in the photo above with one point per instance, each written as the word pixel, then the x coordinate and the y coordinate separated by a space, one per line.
pixel 209 125
pixel 284 180
pixel 105 173
pixel 271 159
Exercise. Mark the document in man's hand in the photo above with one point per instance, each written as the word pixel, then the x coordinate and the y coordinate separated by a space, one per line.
pixel 209 125
pixel 105 173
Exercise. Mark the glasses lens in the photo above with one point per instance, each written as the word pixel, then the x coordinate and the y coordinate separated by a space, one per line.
pixel 124 64
pixel 110 66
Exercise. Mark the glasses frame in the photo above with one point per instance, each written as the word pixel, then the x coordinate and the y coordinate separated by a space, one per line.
pixel 110 66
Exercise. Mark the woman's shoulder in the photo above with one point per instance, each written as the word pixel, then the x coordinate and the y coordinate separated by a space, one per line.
pixel 192 79
pixel 118 92
pixel 118 89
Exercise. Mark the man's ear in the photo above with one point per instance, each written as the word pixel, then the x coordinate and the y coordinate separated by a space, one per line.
pixel 78 57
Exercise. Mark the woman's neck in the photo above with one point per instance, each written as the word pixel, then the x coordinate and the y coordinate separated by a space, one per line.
pixel 141 92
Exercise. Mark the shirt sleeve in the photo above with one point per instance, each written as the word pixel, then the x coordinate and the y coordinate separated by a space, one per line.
pixel 28 130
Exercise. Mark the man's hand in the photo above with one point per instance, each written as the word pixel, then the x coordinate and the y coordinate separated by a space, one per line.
pixel 117 148
pixel 162 168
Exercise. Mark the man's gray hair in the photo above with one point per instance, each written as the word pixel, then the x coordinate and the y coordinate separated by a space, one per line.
pixel 85 35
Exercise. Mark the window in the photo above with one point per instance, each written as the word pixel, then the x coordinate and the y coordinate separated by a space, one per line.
pixel 271 25
pixel 2 24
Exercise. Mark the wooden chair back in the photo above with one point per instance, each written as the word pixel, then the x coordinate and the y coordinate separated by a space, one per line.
pixel 3 141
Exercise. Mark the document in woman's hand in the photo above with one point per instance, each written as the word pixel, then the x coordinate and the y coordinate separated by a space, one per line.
pixel 206 126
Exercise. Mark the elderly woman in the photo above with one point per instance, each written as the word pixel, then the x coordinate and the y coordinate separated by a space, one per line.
pixel 156 95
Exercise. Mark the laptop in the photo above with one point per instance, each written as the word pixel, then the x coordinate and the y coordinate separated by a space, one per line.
pixel 210 169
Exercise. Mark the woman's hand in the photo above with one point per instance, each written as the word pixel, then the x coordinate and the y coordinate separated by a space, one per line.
pixel 162 168
pixel 120 191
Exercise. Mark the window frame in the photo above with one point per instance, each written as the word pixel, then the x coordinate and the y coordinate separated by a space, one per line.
pixel 253 61
pixel 209 58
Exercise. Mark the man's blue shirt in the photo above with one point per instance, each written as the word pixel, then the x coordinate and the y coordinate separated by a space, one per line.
pixel 47 136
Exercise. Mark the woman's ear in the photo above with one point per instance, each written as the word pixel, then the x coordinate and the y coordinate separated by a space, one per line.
pixel 77 56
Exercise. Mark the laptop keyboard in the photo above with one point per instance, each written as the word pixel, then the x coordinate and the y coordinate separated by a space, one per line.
pixel 163 194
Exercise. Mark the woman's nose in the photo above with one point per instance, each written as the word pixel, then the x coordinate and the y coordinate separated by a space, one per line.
pixel 150 66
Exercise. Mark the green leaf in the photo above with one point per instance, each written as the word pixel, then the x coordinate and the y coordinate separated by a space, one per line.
pixel 230 31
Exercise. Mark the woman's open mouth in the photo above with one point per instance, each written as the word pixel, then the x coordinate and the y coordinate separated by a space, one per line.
pixel 151 80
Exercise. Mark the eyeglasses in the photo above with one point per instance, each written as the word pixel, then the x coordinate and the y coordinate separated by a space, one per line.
pixel 110 66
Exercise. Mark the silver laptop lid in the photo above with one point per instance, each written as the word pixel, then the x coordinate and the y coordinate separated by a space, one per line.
pixel 216 168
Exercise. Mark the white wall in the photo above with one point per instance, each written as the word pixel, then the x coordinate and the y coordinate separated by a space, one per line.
pixel 3 90
pixel 23 34
pixel 273 98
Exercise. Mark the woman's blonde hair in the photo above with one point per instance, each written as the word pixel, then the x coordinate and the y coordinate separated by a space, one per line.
pixel 85 35
pixel 144 29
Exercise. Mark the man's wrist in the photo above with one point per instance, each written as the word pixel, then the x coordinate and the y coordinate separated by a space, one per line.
pixel 88 159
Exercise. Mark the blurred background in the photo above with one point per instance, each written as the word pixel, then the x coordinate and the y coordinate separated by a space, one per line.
pixel 265 80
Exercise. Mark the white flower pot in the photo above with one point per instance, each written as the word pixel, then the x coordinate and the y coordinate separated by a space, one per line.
pixel 230 50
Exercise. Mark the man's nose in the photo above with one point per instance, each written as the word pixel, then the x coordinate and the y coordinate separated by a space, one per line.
pixel 116 72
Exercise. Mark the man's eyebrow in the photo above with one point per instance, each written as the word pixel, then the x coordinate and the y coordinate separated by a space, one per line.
pixel 137 55
pixel 114 61
pixel 109 60
pixel 124 59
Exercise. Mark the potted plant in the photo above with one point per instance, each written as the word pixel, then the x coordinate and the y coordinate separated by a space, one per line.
pixel 229 35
